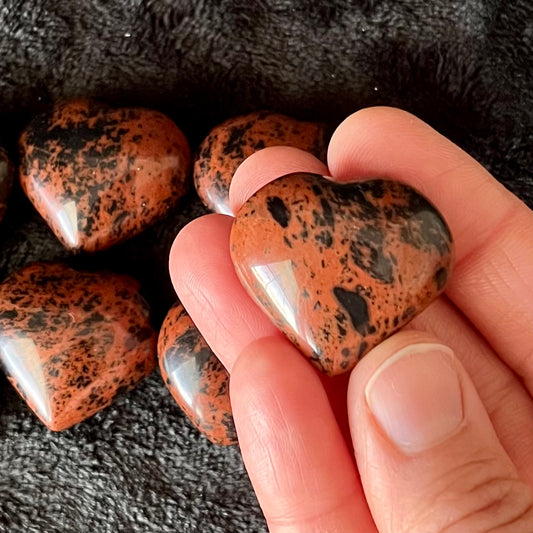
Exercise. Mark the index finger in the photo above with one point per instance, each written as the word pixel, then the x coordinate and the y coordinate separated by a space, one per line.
pixel 492 281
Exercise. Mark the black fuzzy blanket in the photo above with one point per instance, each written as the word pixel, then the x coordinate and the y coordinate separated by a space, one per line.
pixel 463 66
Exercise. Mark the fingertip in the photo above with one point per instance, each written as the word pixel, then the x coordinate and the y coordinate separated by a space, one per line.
pixel 266 165
pixel 351 151
pixel 211 227
pixel 388 143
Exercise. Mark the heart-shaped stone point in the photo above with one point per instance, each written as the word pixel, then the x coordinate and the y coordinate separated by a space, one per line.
pixel 339 267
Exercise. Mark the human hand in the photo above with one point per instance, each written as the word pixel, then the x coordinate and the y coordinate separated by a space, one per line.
pixel 440 414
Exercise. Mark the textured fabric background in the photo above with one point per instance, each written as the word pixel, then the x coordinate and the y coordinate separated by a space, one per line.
pixel 464 66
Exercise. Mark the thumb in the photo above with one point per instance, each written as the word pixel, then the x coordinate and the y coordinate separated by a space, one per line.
pixel 429 458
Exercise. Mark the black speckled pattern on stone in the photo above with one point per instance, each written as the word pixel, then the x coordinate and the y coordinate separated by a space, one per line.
pixel 231 142
pixel 195 377
pixel 340 267
pixel 71 341
pixel 139 466
pixel 100 175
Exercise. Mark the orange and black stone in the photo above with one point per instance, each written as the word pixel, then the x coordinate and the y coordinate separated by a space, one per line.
pixel 6 180
pixel 195 377
pixel 340 267
pixel 71 341
pixel 231 142
pixel 100 175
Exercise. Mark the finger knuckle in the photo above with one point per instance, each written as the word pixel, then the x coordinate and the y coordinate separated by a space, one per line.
pixel 484 496
pixel 497 505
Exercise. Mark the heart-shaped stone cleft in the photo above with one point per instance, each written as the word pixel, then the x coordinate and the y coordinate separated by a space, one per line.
pixel 340 267
pixel 195 377
pixel 71 341
pixel 100 175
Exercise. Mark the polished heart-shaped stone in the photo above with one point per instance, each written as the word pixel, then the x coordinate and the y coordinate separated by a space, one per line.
pixel 100 175
pixel 340 267
pixel 71 341
pixel 195 377
pixel 237 138
pixel 6 180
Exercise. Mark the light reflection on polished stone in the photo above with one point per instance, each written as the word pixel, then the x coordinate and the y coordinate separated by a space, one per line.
pixel 184 375
pixel 237 138
pixel 339 267
pixel 278 282
pixel 71 341
pixel 100 175
pixel 280 286
pixel 20 359
pixel 195 377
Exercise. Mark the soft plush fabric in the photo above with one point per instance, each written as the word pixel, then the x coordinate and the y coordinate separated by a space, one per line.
pixel 463 66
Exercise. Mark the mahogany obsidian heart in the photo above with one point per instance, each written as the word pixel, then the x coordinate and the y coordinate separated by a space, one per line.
pixel 100 175
pixel 71 341
pixel 195 377
pixel 340 267
pixel 231 142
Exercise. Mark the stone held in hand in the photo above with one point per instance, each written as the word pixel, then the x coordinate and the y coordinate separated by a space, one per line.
pixel 339 267
pixel 195 377
pixel 99 175
pixel 235 139
pixel 6 180
pixel 71 341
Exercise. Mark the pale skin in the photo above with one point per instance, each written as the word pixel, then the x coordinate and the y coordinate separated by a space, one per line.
pixel 320 455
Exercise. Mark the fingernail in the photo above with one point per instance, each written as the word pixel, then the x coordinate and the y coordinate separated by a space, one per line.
pixel 416 397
